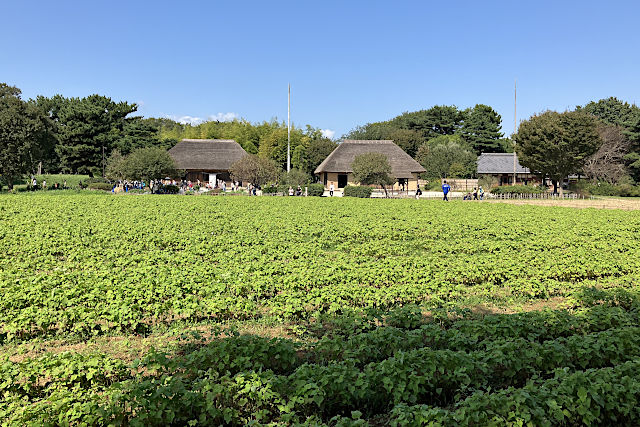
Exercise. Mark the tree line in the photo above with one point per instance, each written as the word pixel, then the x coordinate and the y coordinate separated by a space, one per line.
pixel 600 141
pixel 84 135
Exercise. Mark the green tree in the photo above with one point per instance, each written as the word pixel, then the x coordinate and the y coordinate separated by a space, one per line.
pixel 437 120
pixel 613 111
pixel 144 164
pixel 294 177
pixel 372 169
pixel 255 170
pixel 138 133
pixel 22 129
pixel 481 129
pixel 86 128
pixel 557 144
pixel 447 156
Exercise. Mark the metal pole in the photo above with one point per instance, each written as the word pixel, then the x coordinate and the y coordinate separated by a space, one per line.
pixel 289 130
pixel 515 127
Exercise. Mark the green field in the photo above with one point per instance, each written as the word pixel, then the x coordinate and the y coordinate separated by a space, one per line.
pixel 169 310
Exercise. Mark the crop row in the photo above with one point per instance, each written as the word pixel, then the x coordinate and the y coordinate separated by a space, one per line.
pixel 224 384
pixel 87 265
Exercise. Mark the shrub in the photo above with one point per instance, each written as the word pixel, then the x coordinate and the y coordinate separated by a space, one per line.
pixel 315 189
pixel 433 185
pixel 104 186
pixel 517 189
pixel 624 188
pixel 357 191
pixel 170 189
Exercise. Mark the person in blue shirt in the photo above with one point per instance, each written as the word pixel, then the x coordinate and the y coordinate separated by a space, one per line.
pixel 445 190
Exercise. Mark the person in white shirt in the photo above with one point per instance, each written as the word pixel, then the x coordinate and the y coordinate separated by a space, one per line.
pixel 331 188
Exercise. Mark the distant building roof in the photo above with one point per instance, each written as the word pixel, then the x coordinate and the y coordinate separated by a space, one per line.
pixel 340 159
pixel 206 154
pixel 499 163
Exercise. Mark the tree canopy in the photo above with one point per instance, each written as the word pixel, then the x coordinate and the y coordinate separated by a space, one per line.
pixel 557 144
pixel 447 156
pixel 478 126
pixel 23 132
pixel 255 170
pixel 372 169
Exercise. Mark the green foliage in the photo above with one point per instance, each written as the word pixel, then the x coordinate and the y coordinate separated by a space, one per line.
pixel 23 132
pixel 315 189
pixel 86 128
pixel 143 164
pixel 385 341
pixel 255 170
pixel 557 144
pixel 481 129
pixel 357 191
pixel 100 186
pixel 294 178
pixel 372 169
pixel 447 156
pixel 604 188
pixel 517 189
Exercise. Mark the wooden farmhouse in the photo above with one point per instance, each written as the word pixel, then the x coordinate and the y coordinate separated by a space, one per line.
pixel 499 166
pixel 336 168
pixel 207 160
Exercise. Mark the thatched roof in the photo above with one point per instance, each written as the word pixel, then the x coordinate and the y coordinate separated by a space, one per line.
pixel 499 163
pixel 340 159
pixel 206 154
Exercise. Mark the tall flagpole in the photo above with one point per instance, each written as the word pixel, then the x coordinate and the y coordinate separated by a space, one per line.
pixel 515 127
pixel 289 130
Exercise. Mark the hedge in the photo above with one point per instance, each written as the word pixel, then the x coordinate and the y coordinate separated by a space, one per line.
pixel 357 191
pixel 518 189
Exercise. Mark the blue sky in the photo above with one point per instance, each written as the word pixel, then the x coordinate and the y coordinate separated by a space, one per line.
pixel 349 62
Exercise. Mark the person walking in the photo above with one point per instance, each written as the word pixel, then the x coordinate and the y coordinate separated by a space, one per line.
pixel 445 190
pixel 475 193
pixel 418 193
pixel 331 188
pixel 481 193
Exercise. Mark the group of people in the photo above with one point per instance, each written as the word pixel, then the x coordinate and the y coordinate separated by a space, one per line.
pixel 33 185
pixel 476 194
pixel 297 192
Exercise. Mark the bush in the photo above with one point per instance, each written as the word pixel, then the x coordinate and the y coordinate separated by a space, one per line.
pixel 518 189
pixel 357 191
pixel 433 185
pixel 73 181
pixel 104 186
pixel 315 189
pixel 169 189
pixel 624 188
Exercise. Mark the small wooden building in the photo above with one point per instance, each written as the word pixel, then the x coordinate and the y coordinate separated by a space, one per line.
pixel 207 160
pixel 500 167
pixel 336 168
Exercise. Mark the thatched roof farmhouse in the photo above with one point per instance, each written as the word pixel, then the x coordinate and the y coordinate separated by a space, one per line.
pixel 336 168
pixel 207 160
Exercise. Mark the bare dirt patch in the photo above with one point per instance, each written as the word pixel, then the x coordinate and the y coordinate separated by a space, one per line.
pixel 605 203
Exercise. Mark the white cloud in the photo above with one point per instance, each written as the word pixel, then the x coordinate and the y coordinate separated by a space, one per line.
pixel 192 120
pixel 187 120
pixel 328 133
pixel 223 117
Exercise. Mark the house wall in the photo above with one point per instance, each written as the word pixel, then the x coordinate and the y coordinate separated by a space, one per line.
pixel 332 178
pixel 507 179
pixel 195 175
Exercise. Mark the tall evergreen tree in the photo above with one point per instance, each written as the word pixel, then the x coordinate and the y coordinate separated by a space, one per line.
pixel 87 128
pixel 481 129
